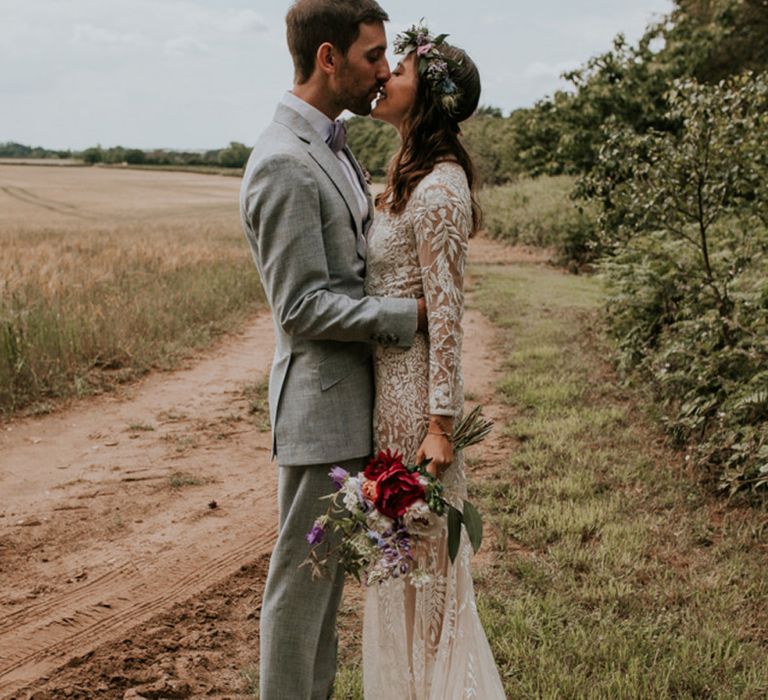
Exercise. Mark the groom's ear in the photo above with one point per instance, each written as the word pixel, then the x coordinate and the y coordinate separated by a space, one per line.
pixel 327 58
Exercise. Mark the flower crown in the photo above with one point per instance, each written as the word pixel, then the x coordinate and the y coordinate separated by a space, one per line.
pixel 432 64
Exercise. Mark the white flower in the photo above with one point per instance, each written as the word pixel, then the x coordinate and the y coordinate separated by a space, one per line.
pixel 422 522
pixel 351 498
pixel 378 521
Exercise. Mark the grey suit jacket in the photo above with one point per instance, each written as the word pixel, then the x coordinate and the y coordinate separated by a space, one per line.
pixel 307 238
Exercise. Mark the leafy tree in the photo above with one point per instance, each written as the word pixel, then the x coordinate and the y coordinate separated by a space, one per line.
pixel 234 156
pixel 93 155
pixel 11 149
pixel 488 111
pixel 134 156
pixel 373 142
pixel 719 38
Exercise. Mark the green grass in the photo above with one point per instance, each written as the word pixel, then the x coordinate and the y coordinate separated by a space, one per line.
pixel 349 682
pixel 608 573
pixel 613 574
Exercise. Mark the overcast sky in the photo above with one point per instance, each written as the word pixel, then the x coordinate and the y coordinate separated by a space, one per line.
pixel 200 73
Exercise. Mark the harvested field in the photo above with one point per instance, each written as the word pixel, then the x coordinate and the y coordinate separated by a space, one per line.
pixel 107 273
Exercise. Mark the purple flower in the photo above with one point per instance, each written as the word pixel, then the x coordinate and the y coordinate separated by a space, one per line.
pixel 424 48
pixel 316 534
pixel 339 476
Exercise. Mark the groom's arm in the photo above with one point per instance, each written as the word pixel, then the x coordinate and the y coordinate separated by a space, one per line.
pixel 282 206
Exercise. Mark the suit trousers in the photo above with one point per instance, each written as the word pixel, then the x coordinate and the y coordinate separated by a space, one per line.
pixel 298 640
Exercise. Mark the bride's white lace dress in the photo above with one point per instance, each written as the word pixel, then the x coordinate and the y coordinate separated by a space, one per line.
pixel 425 643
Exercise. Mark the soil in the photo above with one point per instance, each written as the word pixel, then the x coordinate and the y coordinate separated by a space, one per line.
pixel 135 529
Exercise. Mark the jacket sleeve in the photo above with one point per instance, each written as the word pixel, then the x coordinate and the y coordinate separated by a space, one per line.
pixel 281 205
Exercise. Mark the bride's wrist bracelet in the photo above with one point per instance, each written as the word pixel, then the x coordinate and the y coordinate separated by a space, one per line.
pixel 438 432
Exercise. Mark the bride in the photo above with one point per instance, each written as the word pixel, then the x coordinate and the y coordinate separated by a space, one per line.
pixel 426 643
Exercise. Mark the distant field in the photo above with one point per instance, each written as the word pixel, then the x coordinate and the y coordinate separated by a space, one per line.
pixel 106 273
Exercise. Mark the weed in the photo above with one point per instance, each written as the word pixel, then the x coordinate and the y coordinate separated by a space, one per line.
pixel 179 480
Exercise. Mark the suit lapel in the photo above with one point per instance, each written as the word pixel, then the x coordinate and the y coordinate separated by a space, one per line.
pixel 325 158
pixel 362 239
pixel 328 161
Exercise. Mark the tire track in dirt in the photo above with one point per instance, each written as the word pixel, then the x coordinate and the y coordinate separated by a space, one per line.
pixel 117 603
pixel 27 197
pixel 173 543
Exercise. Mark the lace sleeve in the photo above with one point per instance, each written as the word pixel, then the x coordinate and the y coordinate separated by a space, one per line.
pixel 442 225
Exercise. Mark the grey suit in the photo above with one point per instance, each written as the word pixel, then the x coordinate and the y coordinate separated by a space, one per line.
pixel 308 240
pixel 307 237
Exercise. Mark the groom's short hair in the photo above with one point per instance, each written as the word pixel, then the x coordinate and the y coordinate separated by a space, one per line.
pixel 311 23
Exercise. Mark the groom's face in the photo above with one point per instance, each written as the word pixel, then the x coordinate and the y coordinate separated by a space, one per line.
pixel 364 69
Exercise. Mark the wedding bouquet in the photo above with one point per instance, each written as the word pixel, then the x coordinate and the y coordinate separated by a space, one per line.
pixel 383 516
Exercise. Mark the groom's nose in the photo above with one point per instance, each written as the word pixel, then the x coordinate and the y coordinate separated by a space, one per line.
pixel 383 74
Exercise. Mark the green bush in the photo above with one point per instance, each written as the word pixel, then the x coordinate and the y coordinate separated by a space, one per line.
pixel 541 212
pixel 373 143
pixel 684 218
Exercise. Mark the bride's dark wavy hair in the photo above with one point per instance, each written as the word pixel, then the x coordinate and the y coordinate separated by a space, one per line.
pixel 431 135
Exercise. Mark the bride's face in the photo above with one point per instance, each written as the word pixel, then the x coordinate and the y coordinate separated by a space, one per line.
pixel 398 94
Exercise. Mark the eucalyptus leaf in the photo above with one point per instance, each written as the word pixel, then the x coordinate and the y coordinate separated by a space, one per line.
pixel 454 531
pixel 474 524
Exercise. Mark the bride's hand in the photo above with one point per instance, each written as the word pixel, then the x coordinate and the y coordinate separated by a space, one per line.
pixel 438 448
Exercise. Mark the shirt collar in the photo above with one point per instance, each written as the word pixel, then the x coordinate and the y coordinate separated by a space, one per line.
pixel 317 120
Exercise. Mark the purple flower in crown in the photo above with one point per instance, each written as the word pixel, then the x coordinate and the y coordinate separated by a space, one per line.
pixel 437 70
pixel 316 534
pixel 338 476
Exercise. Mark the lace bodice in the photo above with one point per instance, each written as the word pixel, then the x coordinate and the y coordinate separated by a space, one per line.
pixel 423 252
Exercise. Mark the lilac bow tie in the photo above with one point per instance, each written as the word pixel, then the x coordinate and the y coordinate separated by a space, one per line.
pixel 337 136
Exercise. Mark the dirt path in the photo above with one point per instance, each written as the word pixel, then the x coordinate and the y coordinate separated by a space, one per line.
pixel 134 526
pixel 107 511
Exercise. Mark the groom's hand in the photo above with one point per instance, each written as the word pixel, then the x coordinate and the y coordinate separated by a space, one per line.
pixel 421 307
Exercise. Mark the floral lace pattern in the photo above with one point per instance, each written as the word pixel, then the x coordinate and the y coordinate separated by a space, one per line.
pixel 425 643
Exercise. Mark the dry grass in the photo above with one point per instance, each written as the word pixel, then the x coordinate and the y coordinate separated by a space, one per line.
pixel 105 274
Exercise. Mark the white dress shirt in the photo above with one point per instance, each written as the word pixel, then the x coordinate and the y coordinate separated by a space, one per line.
pixel 322 125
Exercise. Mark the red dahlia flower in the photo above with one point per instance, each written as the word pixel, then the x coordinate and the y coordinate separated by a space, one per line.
pixel 396 490
pixel 382 462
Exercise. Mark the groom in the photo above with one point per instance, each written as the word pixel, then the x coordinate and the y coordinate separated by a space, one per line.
pixel 305 209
